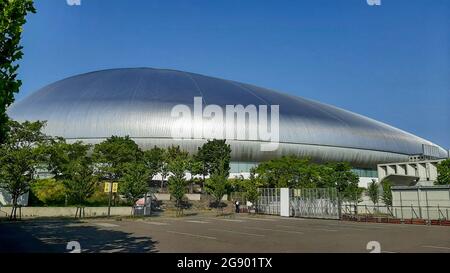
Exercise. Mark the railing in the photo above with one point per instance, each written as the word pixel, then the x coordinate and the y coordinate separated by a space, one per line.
pixel 427 213
pixel 268 201
pixel 314 203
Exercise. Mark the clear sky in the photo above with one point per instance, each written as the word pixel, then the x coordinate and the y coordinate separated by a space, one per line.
pixel 388 62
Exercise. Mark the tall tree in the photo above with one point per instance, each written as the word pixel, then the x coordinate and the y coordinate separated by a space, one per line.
pixel 154 161
pixel 19 158
pixel 57 154
pixel 178 167
pixel 12 18
pixel 112 154
pixel 80 181
pixel 217 184
pixel 443 169
pixel 387 193
pixel 372 191
pixel 134 182
pixel 215 155
pixel 340 176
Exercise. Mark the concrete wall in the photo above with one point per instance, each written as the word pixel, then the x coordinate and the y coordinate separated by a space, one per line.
pixel 69 211
pixel 425 170
pixel 421 202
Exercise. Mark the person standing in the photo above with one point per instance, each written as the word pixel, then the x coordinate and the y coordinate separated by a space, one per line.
pixel 237 206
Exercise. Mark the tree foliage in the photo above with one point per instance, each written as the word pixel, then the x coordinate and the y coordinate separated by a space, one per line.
pixel 443 169
pixel 78 176
pixel 372 192
pixel 12 18
pixel 134 182
pixel 295 172
pixel 49 191
pixel 387 193
pixel 217 184
pixel 154 161
pixel 112 154
pixel 19 158
pixel 214 156
pixel 178 167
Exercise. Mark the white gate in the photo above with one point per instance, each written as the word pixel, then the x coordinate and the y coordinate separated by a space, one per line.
pixel 268 201
pixel 314 203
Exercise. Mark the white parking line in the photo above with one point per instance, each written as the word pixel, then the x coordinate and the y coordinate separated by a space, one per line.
pixel 275 230
pixel 258 219
pixel 236 232
pixel 192 235
pixel 438 247
pixel 360 227
pixel 155 223
pixel 197 221
pixel 106 225
pixel 309 228
pixel 231 220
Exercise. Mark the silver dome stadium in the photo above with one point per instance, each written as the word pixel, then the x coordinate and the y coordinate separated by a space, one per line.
pixel 138 102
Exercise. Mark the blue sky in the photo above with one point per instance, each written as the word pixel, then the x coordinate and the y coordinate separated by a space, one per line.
pixel 388 62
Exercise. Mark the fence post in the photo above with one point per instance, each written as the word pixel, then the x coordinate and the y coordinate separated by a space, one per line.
pixel 284 202
pixel 339 206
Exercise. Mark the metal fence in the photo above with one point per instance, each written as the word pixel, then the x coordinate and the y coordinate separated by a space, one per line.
pixel 314 203
pixel 398 212
pixel 268 201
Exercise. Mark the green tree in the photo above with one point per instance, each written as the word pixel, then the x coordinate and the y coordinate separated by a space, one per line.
pixel 340 176
pixel 217 184
pixel 49 191
pixel 19 158
pixel 57 154
pixel 288 171
pixel 154 161
pixel 443 169
pixel 372 191
pixel 80 181
pixel 387 193
pixel 12 18
pixel 251 187
pixel 214 155
pixel 134 182
pixel 178 167
pixel 112 154
pixel 196 169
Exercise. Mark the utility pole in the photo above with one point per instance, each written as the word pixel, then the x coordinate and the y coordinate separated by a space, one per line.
pixel 110 197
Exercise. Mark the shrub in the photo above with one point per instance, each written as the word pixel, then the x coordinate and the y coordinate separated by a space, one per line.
pixel 49 192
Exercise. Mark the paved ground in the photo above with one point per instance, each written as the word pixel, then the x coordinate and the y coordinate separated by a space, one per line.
pixel 236 233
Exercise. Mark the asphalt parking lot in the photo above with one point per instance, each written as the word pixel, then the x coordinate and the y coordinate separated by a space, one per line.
pixel 208 233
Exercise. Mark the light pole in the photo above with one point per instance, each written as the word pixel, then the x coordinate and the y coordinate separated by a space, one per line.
pixel 110 197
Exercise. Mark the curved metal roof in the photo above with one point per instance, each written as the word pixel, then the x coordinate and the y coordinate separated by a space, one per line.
pixel 137 102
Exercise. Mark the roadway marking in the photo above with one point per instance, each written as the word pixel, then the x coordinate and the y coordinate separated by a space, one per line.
pixel 231 220
pixel 106 225
pixel 192 235
pixel 276 230
pixel 321 229
pixel 236 232
pixel 350 226
pixel 197 221
pixel 438 247
pixel 257 219
pixel 155 223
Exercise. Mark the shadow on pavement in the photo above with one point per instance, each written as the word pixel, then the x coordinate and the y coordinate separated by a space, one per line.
pixel 53 235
